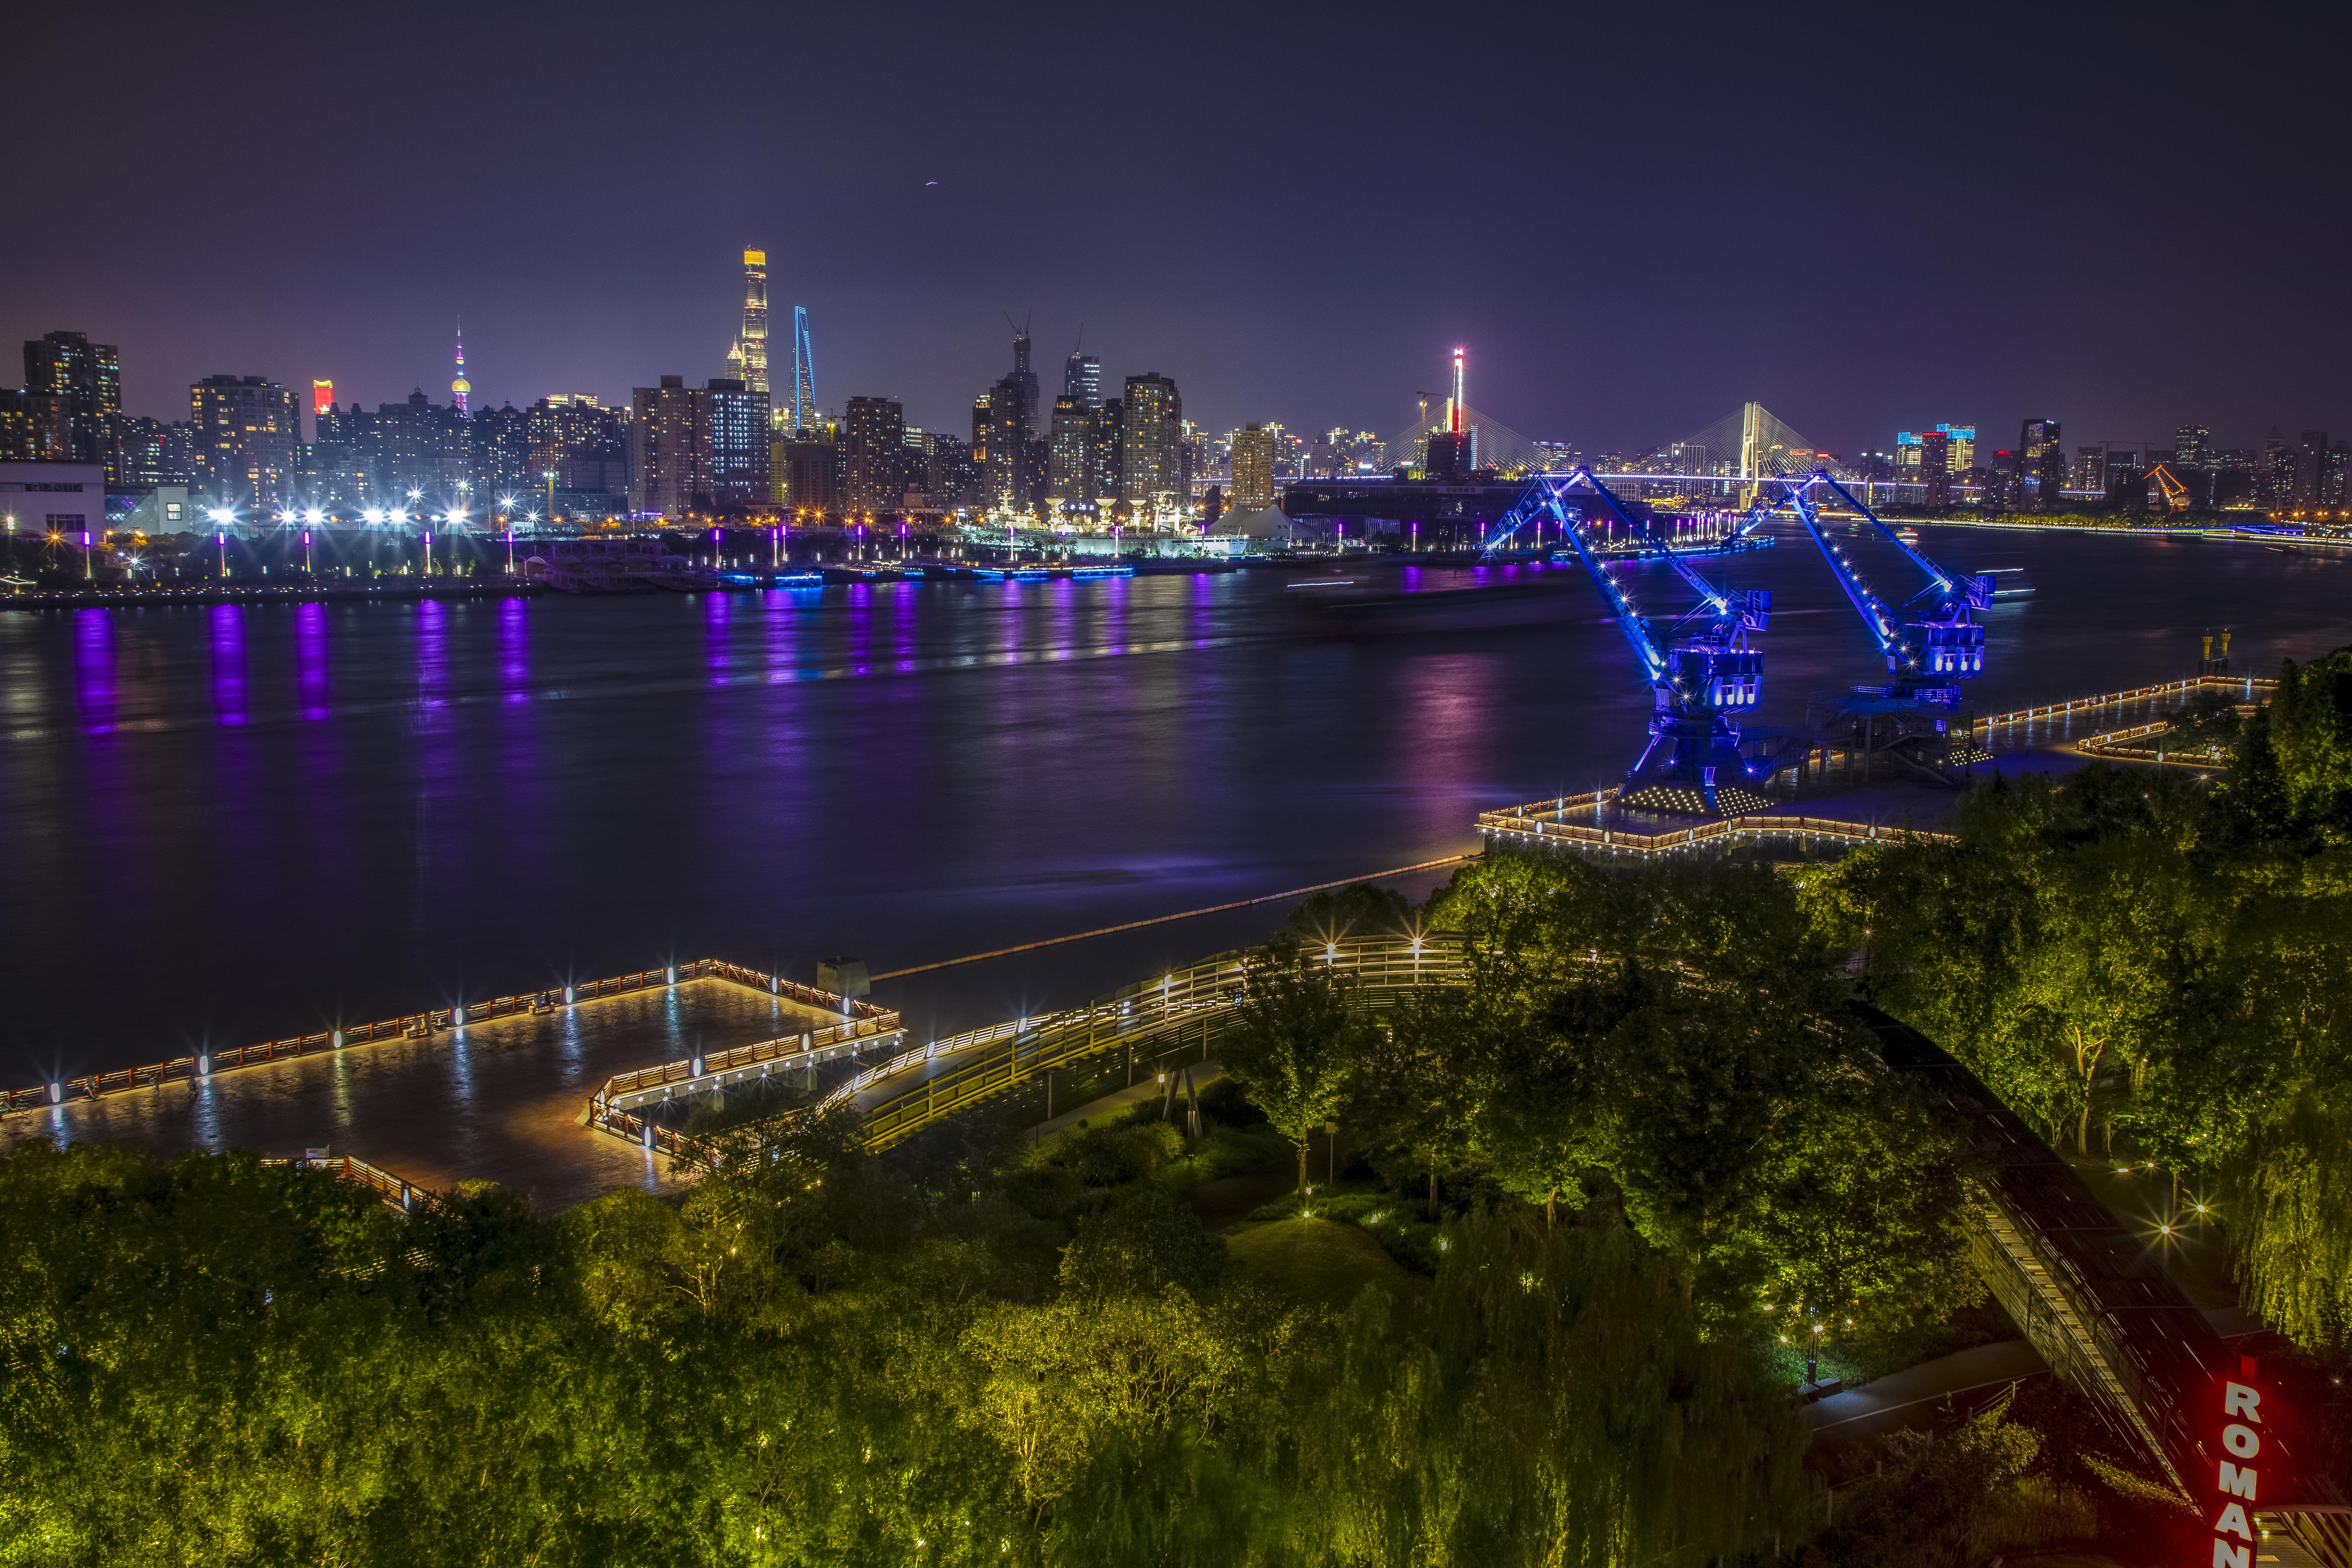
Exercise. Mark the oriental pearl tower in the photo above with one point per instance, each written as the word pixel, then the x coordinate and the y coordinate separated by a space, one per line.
pixel 460 387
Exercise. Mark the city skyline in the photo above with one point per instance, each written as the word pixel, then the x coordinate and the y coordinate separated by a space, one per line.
pixel 1613 270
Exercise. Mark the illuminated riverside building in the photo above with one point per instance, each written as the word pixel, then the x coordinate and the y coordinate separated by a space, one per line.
pixel 738 445
pixel 1253 466
pixel 248 438
pixel 586 446
pixel 1152 465
pixel 670 458
pixel 1069 464
pixel 873 454
pixel 1107 448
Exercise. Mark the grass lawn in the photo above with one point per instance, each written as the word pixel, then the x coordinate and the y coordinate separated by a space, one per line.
pixel 1319 1260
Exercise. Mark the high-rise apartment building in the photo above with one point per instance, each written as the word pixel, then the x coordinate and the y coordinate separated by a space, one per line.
pixel 1069 458
pixel 2278 471
pixel 738 445
pixel 1006 460
pixel 2313 469
pixel 1253 460
pixel 699 450
pixel 1107 448
pixel 811 472
pixel 35 428
pixel 87 380
pixel 2192 447
pixel 148 453
pixel 586 446
pixel 874 455
pixel 948 473
pixel 248 438
pixel 1152 461
pixel 669 456
pixel 498 458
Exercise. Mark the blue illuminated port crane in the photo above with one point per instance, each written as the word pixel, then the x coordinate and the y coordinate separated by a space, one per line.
pixel 1934 642
pixel 1931 643
pixel 1700 677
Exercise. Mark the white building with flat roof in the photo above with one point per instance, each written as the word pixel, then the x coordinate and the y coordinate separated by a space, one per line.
pixel 64 499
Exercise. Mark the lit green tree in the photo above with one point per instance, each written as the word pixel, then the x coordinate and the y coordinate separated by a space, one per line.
pixel 1299 1035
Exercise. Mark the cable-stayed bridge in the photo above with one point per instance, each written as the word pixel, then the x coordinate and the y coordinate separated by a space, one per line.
pixel 1748 444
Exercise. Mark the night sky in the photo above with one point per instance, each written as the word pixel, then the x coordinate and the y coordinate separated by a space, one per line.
pixel 1866 219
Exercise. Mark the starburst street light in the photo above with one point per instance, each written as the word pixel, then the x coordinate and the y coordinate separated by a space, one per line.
pixel 314 516
pixel 373 516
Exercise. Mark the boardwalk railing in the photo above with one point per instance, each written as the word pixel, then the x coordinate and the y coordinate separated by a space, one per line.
pixel 1540 820
pixel 1182 1007
pixel 398 1191
pixel 860 1018
pixel 1178 1009
pixel 2247 686
pixel 715 1071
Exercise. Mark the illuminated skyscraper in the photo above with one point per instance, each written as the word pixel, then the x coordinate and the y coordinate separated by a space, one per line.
pixel 2192 447
pixel 1082 379
pixel 2041 460
pixel 804 403
pixel 1023 382
pixel 1252 450
pixel 460 388
pixel 1151 462
pixel 750 355
pixel 740 458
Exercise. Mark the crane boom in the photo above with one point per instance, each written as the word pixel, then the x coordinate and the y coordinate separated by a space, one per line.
pixel 1940 642
pixel 1700 679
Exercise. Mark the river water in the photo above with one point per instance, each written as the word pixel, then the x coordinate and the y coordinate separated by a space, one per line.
pixel 227 823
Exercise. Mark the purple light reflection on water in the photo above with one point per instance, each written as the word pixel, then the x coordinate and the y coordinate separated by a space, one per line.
pixel 310 685
pixel 432 653
pixel 861 626
pixel 514 649
pixel 902 627
pixel 225 634
pixel 1114 613
pixel 93 666
pixel 1063 621
pixel 718 649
